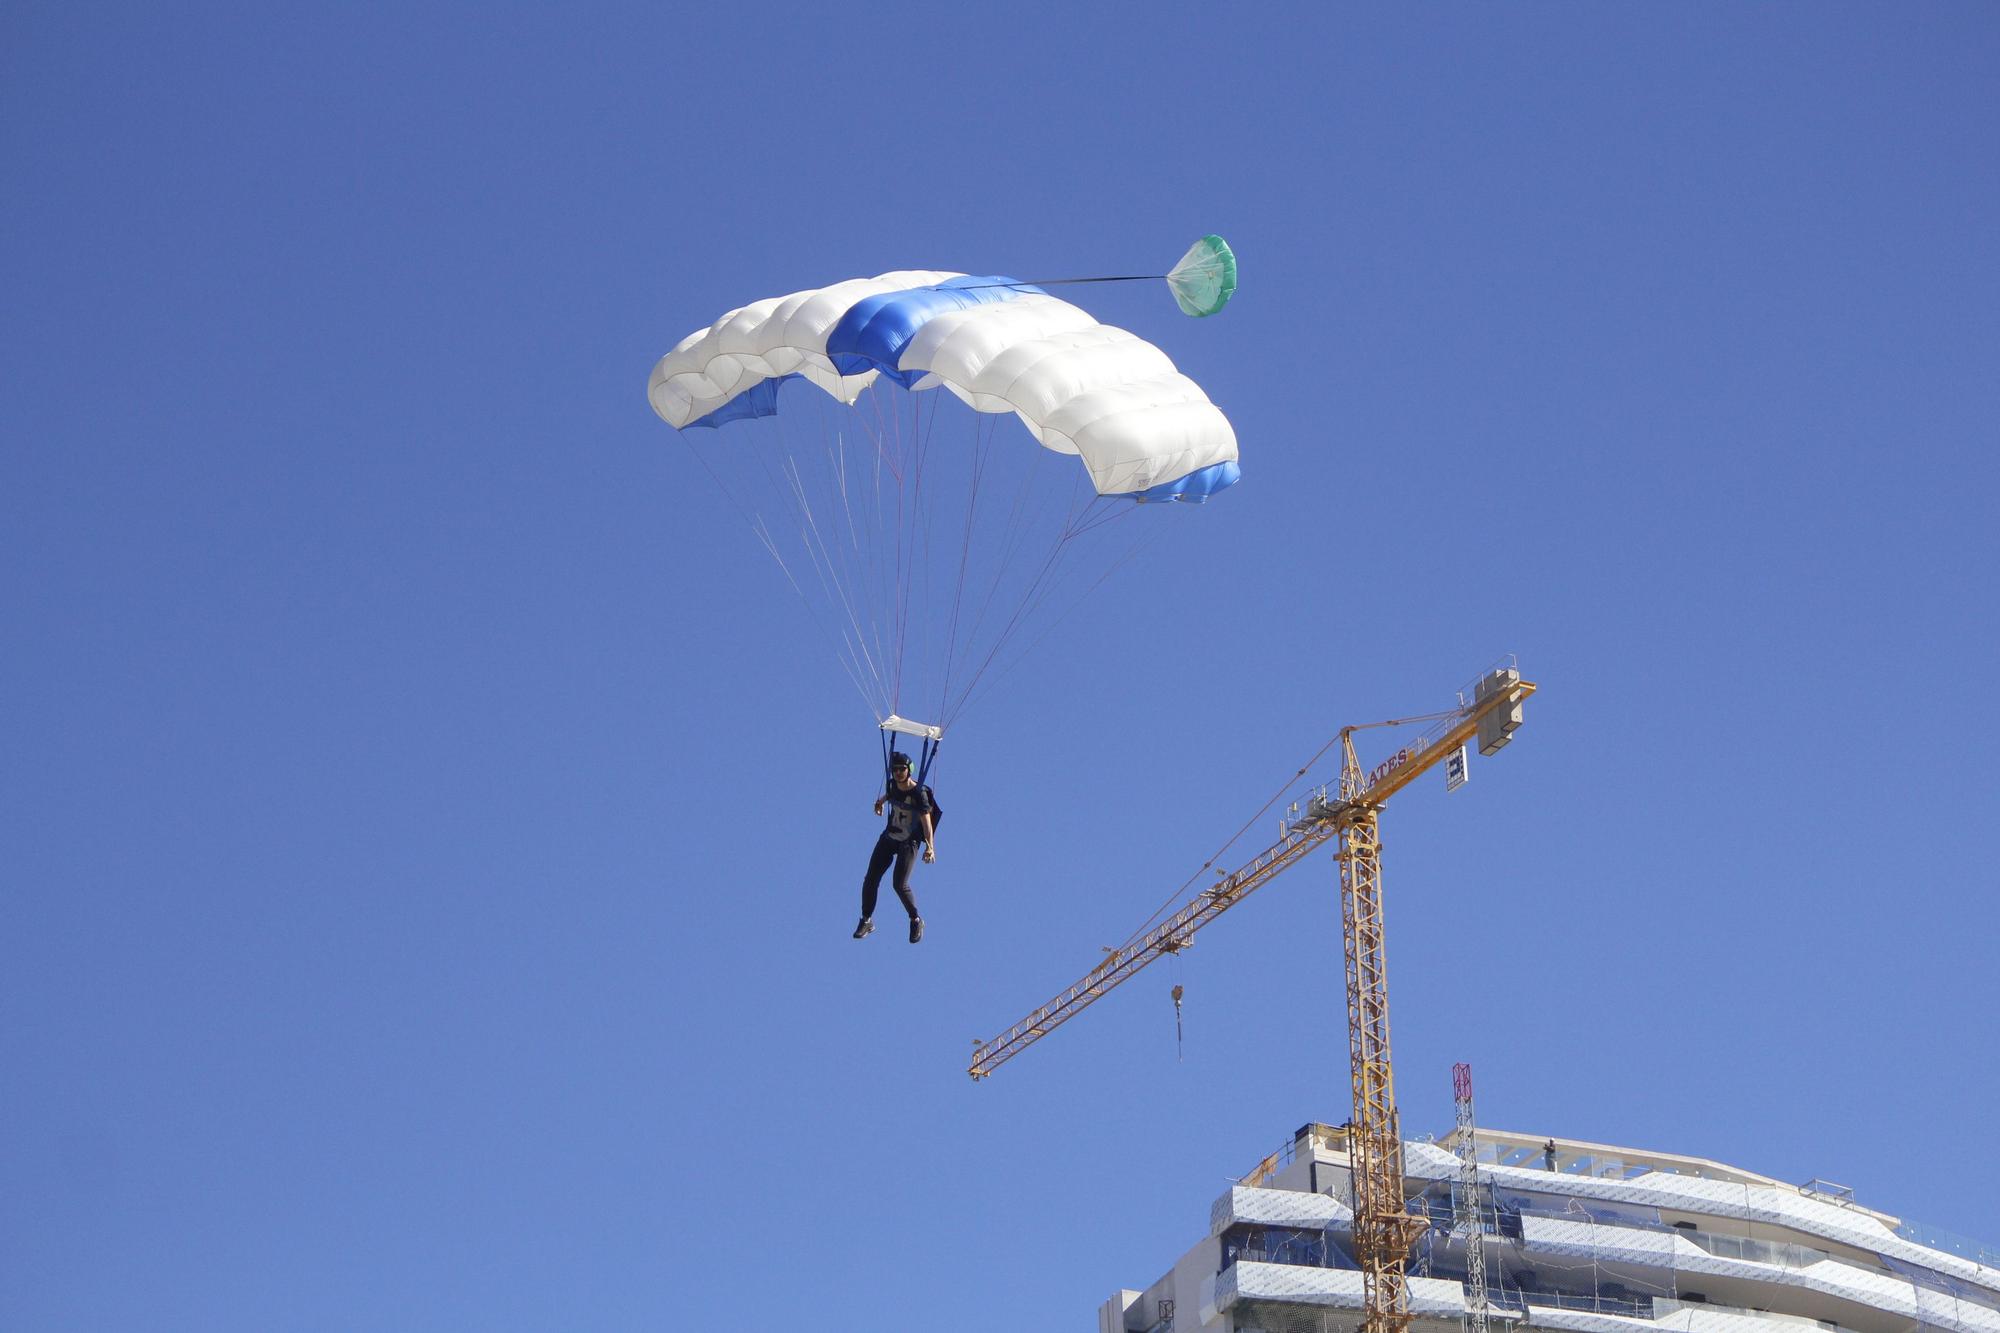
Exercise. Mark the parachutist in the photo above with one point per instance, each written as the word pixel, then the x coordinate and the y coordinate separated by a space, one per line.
pixel 912 824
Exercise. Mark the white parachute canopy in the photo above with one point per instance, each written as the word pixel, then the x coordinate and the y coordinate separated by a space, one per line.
pixel 1080 387
pixel 925 538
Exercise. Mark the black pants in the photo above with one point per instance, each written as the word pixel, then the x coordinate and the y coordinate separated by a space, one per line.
pixel 904 854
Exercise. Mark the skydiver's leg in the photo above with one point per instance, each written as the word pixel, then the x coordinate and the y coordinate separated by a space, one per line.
pixel 885 852
pixel 906 857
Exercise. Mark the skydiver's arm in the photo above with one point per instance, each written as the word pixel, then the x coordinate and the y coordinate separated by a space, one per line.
pixel 930 838
pixel 879 800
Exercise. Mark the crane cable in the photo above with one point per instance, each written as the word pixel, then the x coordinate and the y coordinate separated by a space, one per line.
pixel 1264 809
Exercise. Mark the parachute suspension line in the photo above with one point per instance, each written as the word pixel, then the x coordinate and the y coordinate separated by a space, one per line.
pixel 838 456
pixel 1073 528
pixel 825 553
pixel 917 611
pixel 764 536
pixel 874 582
pixel 758 528
pixel 850 662
pixel 881 596
pixel 883 433
pixel 832 567
pixel 1013 533
pixel 879 586
pixel 1100 512
pixel 849 575
pixel 1015 536
pixel 815 543
pixel 900 448
pixel 1107 512
pixel 913 584
pixel 1027 599
pixel 1010 528
pixel 1095 511
pixel 830 583
pixel 1045 584
pixel 914 580
pixel 982 440
pixel 1051 626
pixel 917 586
pixel 897 584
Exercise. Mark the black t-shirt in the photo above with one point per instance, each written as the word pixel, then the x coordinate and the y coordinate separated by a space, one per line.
pixel 906 812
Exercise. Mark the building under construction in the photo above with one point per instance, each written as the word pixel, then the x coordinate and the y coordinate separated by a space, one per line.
pixel 1569 1236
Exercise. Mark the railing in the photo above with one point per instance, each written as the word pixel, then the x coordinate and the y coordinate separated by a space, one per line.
pixel 1826 1189
pixel 1314 1135
pixel 1468 697
pixel 1637 1307
pixel 1534 1156
pixel 1300 1247
pixel 1300 1255
pixel 1781 1254
pixel 1271 1165
pixel 1937 1238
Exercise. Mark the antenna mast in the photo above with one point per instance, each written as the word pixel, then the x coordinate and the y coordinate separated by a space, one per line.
pixel 1466 1217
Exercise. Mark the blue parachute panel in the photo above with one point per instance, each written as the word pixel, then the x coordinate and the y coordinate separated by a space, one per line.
pixel 1195 487
pixel 759 400
pixel 874 332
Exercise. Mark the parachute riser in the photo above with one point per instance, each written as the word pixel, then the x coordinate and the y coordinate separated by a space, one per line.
pixel 929 739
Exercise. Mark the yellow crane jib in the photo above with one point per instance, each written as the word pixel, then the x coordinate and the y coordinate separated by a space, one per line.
pixel 1488 710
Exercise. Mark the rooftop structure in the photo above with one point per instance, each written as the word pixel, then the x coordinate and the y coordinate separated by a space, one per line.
pixel 1578 1237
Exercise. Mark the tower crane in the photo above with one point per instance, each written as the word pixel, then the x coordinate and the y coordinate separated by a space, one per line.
pixel 1349 813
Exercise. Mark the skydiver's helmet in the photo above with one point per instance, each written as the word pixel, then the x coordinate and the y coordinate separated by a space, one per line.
pixel 897 759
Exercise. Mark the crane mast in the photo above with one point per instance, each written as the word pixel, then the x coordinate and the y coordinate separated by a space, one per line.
pixel 1384 1228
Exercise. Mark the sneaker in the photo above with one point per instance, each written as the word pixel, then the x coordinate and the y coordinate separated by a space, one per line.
pixel 916 929
pixel 861 931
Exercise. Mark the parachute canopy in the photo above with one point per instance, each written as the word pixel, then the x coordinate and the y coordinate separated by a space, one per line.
pixel 927 537
pixel 1205 279
pixel 1142 429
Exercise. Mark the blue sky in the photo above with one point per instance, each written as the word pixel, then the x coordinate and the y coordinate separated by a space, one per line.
pixel 431 827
